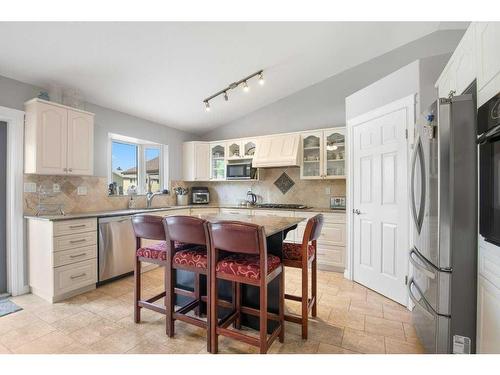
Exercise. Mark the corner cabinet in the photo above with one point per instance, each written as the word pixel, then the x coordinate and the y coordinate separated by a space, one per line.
pixel 323 154
pixel 195 161
pixel 59 140
pixel 218 161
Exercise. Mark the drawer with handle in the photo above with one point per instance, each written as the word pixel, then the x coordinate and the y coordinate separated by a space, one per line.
pixel 75 241
pixel 62 258
pixel 65 227
pixel 75 276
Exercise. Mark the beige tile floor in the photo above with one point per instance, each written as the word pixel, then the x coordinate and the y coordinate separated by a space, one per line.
pixel 351 319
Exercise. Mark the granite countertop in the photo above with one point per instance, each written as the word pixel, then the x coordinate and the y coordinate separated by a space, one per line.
pixel 134 211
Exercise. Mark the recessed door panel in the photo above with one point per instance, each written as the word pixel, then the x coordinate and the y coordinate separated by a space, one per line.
pixel 389 249
pixel 389 178
pixel 366 182
pixel 366 243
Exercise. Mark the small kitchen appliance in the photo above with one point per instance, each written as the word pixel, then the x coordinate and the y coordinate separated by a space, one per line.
pixel 241 170
pixel 200 195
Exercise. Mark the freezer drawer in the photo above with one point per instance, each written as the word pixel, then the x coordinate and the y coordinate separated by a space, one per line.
pixel 433 329
pixel 434 283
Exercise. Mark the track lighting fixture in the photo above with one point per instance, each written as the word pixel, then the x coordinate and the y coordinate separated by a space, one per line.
pixel 242 82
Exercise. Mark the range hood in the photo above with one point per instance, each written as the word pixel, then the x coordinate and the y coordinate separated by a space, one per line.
pixel 277 151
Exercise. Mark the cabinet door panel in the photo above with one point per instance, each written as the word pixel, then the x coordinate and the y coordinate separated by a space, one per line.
pixel 52 136
pixel 202 162
pixel 80 143
pixel 488 324
pixel 487 52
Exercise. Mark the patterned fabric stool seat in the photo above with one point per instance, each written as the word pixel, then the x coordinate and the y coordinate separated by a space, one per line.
pixel 158 250
pixel 293 251
pixel 194 257
pixel 246 265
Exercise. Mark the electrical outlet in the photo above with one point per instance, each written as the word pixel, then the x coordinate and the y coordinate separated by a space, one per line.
pixel 82 190
pixel 56 188
pixel 30 187
pixel 328 191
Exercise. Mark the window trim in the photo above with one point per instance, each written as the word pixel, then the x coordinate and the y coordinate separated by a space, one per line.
pixel 142 145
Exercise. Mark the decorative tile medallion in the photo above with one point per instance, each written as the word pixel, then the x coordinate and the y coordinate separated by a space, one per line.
pixel 284 183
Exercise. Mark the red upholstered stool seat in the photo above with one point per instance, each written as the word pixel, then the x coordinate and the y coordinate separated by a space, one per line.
pixel 159 250
pixel 293 251
pixel 193 257
pixel 246 265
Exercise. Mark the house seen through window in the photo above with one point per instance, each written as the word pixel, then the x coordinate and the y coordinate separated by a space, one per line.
pixel 136 167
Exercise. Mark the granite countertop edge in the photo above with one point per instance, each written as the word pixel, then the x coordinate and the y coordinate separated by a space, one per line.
pixel 111 213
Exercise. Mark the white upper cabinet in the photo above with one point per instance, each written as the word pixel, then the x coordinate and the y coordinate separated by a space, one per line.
pixel 58 139
pixel 277 151
pixel 80 143
pixel 241 149
pixel 487 40
pixel 460 71
pixel 196 161
pixel 234 150
pixel 248 148
pixel 323 154
pixel 218 161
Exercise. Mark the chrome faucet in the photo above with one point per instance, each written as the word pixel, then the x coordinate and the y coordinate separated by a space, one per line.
pixel 149 198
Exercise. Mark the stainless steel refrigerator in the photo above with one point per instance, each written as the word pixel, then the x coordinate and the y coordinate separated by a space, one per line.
pixel 443 205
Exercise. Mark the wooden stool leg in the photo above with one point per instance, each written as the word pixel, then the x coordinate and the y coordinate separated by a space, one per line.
pixel 263 316
pixel 314 286
pixel 237 322
pixel 282 305
pixel 214 339
pixel 137 290
pixel 170 298
pixel 197 293
pixel 305 297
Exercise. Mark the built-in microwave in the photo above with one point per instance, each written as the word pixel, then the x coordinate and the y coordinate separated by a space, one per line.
pixel 240 171
pixel 488 119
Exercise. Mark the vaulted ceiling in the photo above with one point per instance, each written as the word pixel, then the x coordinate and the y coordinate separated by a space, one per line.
pixel 162 71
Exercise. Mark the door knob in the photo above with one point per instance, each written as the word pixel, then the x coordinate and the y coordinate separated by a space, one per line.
pixel 356 211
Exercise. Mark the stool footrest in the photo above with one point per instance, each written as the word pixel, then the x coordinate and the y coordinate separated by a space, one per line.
pixel 156 298
pixel 152 306
pixel 293 298
pixel 238 336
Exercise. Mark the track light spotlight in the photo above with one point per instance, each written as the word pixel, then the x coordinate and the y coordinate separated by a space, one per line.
pixel 261 78
pixel 245 86
pixel 207 106
pixel 226 98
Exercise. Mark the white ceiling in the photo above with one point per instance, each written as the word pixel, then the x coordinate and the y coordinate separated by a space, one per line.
pixel 163 71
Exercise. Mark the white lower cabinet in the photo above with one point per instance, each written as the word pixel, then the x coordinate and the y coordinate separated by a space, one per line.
pixel 488 299
pixel 204 211
pixel 62 257
pixel 236 211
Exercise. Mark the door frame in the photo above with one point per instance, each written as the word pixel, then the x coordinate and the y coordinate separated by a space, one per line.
pixel 16 259
pixel 408 103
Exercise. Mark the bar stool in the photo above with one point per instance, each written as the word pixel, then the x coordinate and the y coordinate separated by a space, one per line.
pixel 242 250
pixel 194 259
pixel 301 256
pixel 151 228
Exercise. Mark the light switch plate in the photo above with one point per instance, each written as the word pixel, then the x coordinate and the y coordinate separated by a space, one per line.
pixel 30 187
pixel 81 190
pixel 56 188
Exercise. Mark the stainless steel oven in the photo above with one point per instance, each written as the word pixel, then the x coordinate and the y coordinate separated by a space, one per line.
pixel 240 171
pixel 489 169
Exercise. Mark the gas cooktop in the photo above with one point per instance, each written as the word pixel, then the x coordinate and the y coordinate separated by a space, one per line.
pixel 278 205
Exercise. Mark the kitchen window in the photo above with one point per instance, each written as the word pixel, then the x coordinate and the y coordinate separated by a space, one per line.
pixel 136 166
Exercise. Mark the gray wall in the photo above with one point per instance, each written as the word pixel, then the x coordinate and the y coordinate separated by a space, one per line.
pixel 13 94
pixel 3 203
pixel 322 105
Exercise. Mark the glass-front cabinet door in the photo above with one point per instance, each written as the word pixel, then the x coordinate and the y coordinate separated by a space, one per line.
pixel 217 161
pixel 312 155
pixel 248 147
pixel 334 153
pixel 234 150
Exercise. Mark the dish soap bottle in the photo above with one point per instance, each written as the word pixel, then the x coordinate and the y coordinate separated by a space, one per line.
pixel 131 202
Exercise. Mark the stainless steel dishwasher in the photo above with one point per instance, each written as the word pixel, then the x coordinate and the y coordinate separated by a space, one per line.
pixel 116 247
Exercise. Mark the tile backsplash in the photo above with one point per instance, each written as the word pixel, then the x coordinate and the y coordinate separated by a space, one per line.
pixel 96 199
pixel 314 193
pixel 309 192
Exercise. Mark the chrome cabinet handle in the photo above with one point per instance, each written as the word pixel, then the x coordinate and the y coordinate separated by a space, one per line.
pixel 421 267
pixel 78 276
pixel 78 255
pixel 422 306
pixel 78 241
pixel 77 226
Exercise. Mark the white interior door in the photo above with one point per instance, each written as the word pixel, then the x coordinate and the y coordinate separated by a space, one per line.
pixel 380 199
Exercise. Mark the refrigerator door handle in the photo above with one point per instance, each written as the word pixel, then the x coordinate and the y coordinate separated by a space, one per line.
pixel 422 265
pixel 418 217
pixel 423 306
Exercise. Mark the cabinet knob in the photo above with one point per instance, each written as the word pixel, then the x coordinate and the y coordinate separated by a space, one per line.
pixel 71 169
